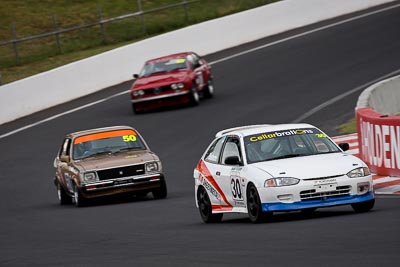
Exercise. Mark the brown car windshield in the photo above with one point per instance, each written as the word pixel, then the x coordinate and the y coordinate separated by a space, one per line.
pixel 106 143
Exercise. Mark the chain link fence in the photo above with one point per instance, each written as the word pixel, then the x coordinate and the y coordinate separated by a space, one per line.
pixel 100 32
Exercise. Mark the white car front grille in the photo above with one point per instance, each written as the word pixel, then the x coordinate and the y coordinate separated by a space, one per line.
pixel 312 194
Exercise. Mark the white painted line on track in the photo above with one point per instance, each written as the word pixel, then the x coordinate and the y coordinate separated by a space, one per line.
pixel 305 33
pixel 225 59
pixel 341 96
pixel 353 151
pixel 388 190
pixel 354 143
pixel 386 179
pixel 347 139
pixel 60 115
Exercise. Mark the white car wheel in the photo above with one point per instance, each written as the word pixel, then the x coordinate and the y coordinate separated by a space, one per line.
pixel 254 207
pixel 363 206
pixel 205 208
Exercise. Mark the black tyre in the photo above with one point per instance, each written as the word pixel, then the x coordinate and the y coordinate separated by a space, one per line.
pixel 363 206
pixel 78 199
pixel 308 212
pixel 254 208
pixel 63 197
pixel 209 90
pixel 194 96
pixel 205 208
pixel 160 192
pixel 134 109
pixel 141 194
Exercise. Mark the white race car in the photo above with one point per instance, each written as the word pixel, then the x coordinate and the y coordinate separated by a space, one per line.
pixel 262 169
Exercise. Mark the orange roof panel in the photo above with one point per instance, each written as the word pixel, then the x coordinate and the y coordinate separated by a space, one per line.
pixel 103 135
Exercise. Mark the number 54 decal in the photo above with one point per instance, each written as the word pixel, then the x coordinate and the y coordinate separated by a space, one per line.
pixel 236 189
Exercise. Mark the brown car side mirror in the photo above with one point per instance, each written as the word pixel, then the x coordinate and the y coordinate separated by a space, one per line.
pixel 65 158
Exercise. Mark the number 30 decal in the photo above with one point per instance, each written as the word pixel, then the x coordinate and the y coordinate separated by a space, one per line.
pixel 236 189
pixel 129 138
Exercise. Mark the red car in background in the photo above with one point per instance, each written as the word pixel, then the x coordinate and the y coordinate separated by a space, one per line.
pixel 172 80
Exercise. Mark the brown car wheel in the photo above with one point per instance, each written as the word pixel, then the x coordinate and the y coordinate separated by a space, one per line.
pixel 160 192
pixel 78 199
pixel 63 197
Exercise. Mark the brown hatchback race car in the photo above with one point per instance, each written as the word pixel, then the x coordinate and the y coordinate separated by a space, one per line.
pixel 106 161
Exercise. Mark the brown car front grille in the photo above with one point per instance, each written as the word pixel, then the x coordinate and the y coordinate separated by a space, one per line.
pixel 313 195
pixel 121 172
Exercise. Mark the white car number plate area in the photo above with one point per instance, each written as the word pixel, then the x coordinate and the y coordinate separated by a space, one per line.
pixel 325 187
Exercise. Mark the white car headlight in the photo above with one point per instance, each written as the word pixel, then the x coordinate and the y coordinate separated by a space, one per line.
pixel 152 166
pixel 90 177
pixel 281 181
pixel 359 172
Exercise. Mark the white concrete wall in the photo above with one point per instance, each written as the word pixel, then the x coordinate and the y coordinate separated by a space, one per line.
pixel 83 77
pixel 382 97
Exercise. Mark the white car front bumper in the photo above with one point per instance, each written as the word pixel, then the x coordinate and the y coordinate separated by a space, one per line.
pixel 317 193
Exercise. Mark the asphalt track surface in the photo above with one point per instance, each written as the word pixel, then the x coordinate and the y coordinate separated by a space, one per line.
pixel 276 84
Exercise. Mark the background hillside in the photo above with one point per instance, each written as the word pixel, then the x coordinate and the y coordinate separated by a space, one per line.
pixel 84 35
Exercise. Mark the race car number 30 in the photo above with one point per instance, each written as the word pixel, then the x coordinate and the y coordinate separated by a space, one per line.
pixel 236 189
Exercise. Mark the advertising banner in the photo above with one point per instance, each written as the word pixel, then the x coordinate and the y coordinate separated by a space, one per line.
pixel 379 141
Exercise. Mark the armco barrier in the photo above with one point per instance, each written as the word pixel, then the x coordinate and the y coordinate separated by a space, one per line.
pixel 83 77
pixel 379 133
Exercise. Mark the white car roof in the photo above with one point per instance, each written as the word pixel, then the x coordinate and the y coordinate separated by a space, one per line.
pixel 262 128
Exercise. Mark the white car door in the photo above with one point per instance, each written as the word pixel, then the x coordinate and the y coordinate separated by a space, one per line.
pixel 229 178
pixel 209 170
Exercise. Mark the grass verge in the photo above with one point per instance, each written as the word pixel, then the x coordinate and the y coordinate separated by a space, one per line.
pixel 348 127
pixel 29 18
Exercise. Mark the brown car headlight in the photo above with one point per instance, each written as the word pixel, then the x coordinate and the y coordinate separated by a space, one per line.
pixel 90 177
pixel 152 167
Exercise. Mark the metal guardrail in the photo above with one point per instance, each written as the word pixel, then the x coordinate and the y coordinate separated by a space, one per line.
pixel 56 32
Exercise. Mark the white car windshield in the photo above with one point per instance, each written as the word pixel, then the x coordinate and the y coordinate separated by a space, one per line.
pixel 286 144
pixel 163 66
